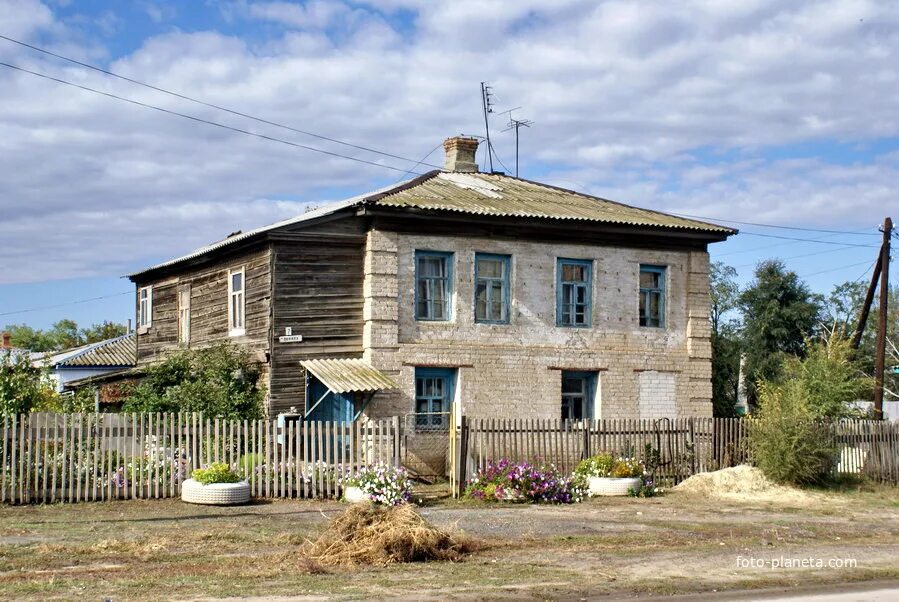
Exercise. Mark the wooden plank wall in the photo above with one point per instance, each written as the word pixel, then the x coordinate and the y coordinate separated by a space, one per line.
pixel 686 446
pixel 209 306
pixel 47 458
pixel 318 279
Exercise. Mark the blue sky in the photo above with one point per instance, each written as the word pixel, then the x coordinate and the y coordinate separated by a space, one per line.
pixel 751 111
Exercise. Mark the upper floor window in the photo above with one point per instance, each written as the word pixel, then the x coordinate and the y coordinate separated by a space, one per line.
pixel 491 294
pixel 573 292
pixel 145 307
pixel 184 314
pixel 433 285
pixel 236 302
pixel 652 295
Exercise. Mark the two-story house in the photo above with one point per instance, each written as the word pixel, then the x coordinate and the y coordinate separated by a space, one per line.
pixel 510 297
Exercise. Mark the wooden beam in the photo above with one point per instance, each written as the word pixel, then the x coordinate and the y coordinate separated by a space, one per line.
pixel 866 306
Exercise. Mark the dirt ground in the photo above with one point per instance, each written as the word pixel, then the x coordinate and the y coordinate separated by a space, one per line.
pixel 164 549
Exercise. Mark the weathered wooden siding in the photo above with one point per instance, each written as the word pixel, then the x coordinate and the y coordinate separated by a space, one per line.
pixel 209 307
pixel 318 276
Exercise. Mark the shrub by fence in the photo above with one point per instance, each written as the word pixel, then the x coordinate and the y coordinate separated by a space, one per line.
pixel 85 457
pixel 685 446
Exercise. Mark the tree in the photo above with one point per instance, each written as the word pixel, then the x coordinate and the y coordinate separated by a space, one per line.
pixel 23 387
pixel 726 348
pixel 218 381
pixel 64 334
pixel 779 315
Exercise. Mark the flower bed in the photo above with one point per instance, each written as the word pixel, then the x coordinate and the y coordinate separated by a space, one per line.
pixel 379 483
pixel 604 474
pixel 216 485
pixel 507 481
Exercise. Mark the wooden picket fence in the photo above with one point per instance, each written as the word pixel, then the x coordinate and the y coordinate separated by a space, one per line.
pixel 46 457
pixel 682 446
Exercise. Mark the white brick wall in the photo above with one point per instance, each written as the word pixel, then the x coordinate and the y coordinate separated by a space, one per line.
pixel 512 370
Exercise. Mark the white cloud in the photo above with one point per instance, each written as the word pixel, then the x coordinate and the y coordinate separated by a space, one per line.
pixel 624 96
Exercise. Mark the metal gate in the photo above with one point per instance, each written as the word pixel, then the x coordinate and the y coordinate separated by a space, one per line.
pixel 425 444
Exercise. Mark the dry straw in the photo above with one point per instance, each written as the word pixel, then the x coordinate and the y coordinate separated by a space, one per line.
pixel 367 534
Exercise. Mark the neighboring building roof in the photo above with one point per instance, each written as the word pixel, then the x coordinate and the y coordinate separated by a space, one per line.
pixel 346 375
pixel 120 352
pixel 483 194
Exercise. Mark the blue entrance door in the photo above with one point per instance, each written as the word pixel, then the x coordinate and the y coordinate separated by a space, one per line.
pixel 335 407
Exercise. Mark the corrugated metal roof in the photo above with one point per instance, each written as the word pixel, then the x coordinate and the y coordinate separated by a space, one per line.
pixel 346 375
pixel 118 352
pixel 505 196
pixel 480 194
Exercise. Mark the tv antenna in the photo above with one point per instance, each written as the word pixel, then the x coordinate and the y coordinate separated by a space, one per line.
pixel 487 104
pixel 516 124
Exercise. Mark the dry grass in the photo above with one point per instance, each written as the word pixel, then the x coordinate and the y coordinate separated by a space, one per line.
pixel 372 535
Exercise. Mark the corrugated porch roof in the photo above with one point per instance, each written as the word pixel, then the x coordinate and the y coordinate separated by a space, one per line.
pixel 347 375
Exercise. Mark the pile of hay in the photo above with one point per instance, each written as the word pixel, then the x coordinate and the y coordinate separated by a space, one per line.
pixel 741 483
pixel 367 534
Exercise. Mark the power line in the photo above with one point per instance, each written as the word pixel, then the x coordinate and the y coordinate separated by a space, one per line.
pixel 746 265
pixel 201 120
pixel 31 309
pixel 733 221
pixel 212 105
pixel 420 162
pixel 843 267
pixel 810 240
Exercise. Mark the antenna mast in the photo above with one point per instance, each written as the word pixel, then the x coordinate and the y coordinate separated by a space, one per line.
pixel 515 124
pixel 487 105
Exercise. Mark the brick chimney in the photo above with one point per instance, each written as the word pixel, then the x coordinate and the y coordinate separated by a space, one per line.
pixel 6 343
pixel 460 151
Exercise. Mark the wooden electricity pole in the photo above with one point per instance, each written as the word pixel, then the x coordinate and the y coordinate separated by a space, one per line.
pixel 880 348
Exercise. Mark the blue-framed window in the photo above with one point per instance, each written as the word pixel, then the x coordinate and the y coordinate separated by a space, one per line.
pixel 433 285
pixel 491 291
pixel 652 295
pixel 434 390
pixel 574 297
pixel 578 393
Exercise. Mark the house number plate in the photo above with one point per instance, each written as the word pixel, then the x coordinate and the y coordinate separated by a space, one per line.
pixel 292 338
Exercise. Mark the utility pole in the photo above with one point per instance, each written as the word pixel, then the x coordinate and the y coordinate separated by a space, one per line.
pixel 487 105
pixel 880 348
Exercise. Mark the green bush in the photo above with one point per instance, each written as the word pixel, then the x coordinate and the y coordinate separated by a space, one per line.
pixel 217 472
pixel 787 441
pixel 23 387
pixel 217 381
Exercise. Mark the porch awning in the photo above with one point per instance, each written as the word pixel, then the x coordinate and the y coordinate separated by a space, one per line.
pixel 347 375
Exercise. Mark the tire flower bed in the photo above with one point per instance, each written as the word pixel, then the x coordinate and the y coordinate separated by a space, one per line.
pixel 507 481
pixel 381 483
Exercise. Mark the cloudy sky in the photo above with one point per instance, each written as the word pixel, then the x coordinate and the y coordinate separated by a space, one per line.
pixel 750 110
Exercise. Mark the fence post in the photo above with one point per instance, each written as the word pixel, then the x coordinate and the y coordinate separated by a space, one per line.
pixel 463 453
pixel 396 441
pixel 586 427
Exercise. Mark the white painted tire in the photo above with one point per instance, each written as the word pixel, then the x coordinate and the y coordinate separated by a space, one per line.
pixel 216 494
pixel 354 495
pixel 613 486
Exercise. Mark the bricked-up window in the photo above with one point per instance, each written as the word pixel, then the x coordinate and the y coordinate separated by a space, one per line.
pixel 433 285
pixel 236 302
pixel 434 389
pixel 578 391
pixel 652 295
pixel 145 307
pixel 573 292
pixel 491 294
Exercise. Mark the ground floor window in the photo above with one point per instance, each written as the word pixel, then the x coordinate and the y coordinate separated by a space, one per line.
pixel 578 392
pixel 434 389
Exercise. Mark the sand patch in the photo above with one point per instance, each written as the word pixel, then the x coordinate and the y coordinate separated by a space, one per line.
pixel 745 483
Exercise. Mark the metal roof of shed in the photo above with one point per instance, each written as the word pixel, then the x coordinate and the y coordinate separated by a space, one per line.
pixel 346 375
pixel 120 352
